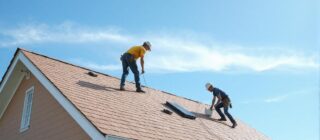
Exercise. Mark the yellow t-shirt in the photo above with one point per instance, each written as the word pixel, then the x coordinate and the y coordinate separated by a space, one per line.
pixel 137 51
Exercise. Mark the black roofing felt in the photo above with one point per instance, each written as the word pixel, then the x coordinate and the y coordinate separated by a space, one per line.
pixel 180 110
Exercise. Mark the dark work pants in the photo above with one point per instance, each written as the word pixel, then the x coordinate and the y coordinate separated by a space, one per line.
pixel 225 108
pixel 129 61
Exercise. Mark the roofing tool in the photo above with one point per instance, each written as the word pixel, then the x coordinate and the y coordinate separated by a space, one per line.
pixel 91 73
pixel 208 112
pixel 167 111
pixel 145 82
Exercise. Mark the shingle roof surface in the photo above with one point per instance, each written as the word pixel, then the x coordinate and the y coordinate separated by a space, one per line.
pixel 130 114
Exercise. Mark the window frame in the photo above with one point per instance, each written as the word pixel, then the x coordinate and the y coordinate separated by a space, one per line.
pixel 27 109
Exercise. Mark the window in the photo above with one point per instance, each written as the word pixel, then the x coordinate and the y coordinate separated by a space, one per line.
pixel 25 120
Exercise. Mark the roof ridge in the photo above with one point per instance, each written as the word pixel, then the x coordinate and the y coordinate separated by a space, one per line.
pixel 66 62
pixel 165 92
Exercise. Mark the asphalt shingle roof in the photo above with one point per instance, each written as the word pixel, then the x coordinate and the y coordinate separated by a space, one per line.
pixel 130 114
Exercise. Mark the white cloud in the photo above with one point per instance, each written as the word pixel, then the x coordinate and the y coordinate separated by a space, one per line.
pixel 103 67
pixel 64 33
pixel 171 52
pixel 307 91
pixel 180 54
pixel 95 66
pixel 276 99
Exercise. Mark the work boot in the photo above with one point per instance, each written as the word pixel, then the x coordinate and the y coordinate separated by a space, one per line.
pixel 122 89
pixel 222 119
pixel 140 90
pixel 234 125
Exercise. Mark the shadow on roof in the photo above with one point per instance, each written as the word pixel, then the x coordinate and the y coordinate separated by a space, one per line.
pixel 93 86
pixel 204 116
pixel 99 87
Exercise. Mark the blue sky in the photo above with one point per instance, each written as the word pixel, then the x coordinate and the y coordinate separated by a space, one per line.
pixel 264 54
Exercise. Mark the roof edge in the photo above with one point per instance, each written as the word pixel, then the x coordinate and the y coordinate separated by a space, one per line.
pixel 11 61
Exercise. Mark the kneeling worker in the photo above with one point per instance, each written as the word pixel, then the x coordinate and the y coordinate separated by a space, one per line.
pixel 129 60
pixel 223 101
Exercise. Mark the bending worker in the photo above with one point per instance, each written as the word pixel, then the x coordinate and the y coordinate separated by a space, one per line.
pixel 129 60
pixel 223 101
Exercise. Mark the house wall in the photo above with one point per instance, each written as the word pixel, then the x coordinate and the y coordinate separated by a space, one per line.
pixel 49 121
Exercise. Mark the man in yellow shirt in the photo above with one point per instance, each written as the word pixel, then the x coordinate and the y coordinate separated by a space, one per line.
pixel 129 60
